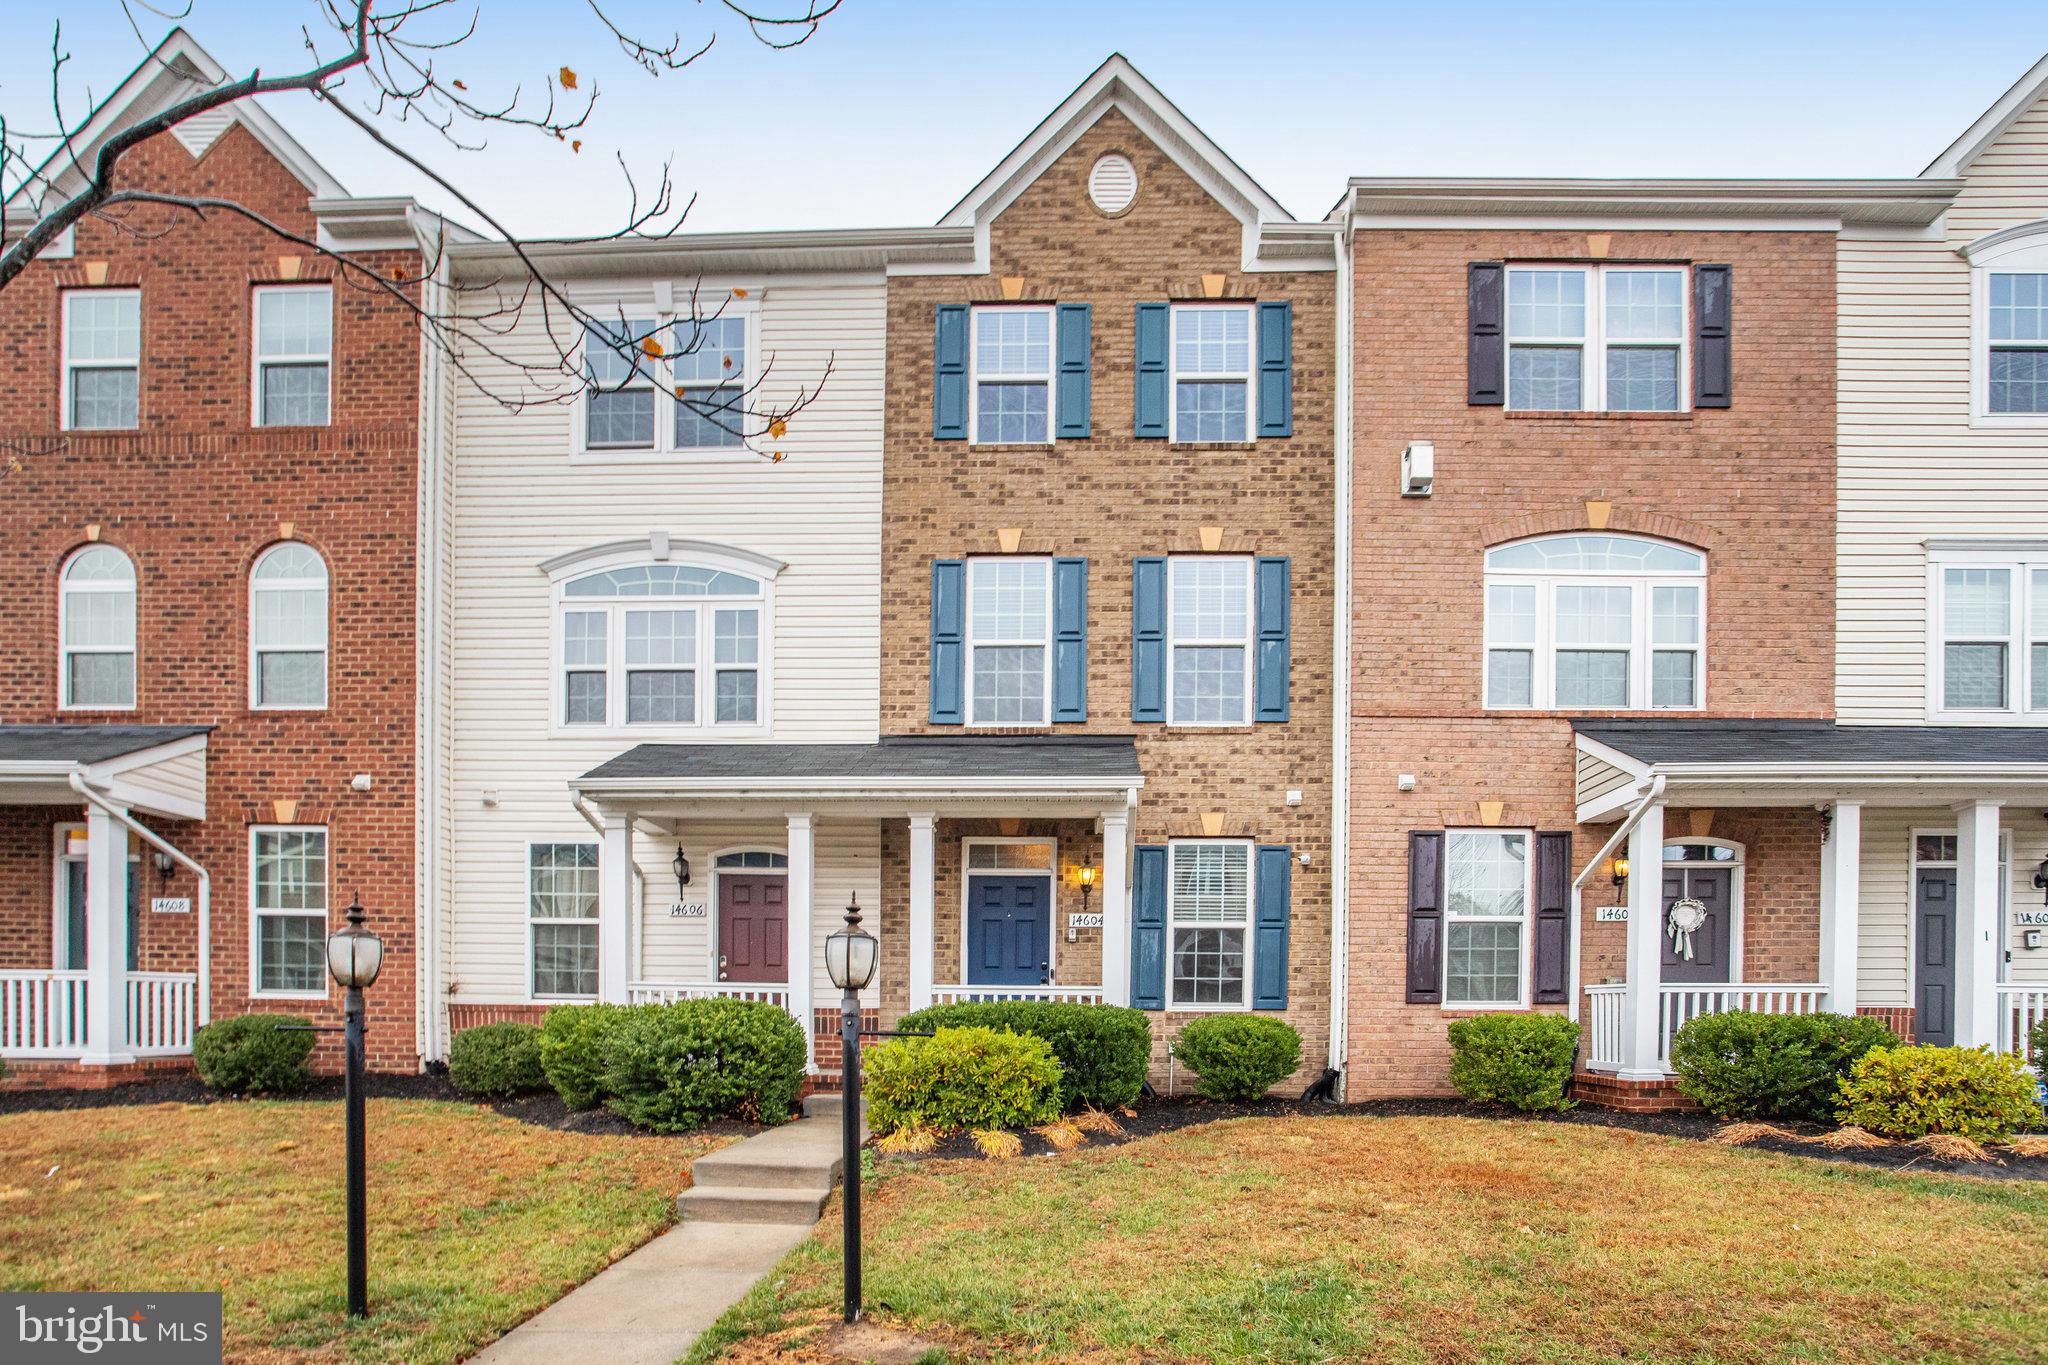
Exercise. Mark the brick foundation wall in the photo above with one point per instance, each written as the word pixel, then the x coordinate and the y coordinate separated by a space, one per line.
pixel 462 1017
pixel 1897 1018
pixel 1630 1097
pixel 38 1074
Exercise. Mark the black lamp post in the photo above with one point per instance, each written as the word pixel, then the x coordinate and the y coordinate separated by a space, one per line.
pixel 850 957
pixel 354 957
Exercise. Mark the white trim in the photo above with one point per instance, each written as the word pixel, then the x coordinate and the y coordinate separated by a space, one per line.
pixel 661 305
pixel 1052 898
pixel 975 314
pixel 258 361
pixel 2021 561
pixel 67 365
pixel 1527 922
pixel 1593 342
pixel 596 919
pixel 64 648
pixel 1914 862
pixel 1736 879
pixel 1248 926
pixel 256 913
pixel 1043 644
pixel 2021 250
pixel 60 862
pixel 254 662
pixel 1248 643
pixel 796 961
pixel 1249 376
pixel 1992 123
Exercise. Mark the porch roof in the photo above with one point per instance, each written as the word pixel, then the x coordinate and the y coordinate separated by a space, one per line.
pixel 159 769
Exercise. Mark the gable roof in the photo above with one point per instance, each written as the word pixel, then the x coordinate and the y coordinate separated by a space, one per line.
pixel 1992 123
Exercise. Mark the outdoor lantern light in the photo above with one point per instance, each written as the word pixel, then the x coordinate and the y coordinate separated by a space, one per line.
pixel 164 863
pixel 354 955
pixel 850 953
pixel 1620 873
pixel 682 867
pixel 850 961
pixel 2041 878
pixel 1085 876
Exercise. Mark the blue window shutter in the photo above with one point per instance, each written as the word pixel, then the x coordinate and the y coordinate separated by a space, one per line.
pixel 1148 927
pixel 949 641
pixel 1276 369
pixel 1269 925
pixel 1069 639
pixel 1148 639
pixel 1275 652
pixel 949 387
pixel 1075 324
pixel 1152 319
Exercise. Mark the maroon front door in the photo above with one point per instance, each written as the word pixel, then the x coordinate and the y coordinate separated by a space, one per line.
pixel 753 929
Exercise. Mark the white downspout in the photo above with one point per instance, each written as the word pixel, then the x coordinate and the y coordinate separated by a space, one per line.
pixel 428 662
pixel 1340 702
pixel 1614 841
pixel 157 841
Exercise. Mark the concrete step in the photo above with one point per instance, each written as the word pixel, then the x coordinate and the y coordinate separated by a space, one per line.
pixel 700 1204
pixel 828 1104
pixel 737 1168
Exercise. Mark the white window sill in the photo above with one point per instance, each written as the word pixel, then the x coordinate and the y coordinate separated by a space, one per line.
pixel 288 995
pixel 650 455
pixel 660 733
pixel 1453 1007
pixel 1172 1008
pixel 278 706
pixel 2016 719
pixel 2008 421
pixel 99 710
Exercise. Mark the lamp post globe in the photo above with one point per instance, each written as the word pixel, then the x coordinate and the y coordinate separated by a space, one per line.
pixel 355 956
pixel 851 954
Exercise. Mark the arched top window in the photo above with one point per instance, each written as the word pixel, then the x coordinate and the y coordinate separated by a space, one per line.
pixel 288 629
pixel 96 628
pixel 1591 621
pixel 677 646
pixel 753 860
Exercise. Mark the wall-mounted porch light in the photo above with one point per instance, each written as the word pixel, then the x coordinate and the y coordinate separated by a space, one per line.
pixel 682 867
pixel 1620 869
pixel 2041 879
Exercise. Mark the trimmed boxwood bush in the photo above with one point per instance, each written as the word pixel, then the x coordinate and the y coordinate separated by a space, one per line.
pixel 1238 1056
pixel 495 1060
pixel 961 1078
pixel 1743 1065
pixel 1523 1061
pixel 671 1068
pixel 572 1050
pixel 1909 1092
pixel 255 1054
pixel 1103 1050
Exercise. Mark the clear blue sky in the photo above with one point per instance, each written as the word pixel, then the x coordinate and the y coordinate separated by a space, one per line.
pixel 897 107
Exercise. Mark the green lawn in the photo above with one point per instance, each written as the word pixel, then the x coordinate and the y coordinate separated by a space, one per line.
pixel 1426 1239
pixel 476 1220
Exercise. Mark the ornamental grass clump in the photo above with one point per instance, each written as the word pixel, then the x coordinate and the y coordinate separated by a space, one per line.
pixel 973 1078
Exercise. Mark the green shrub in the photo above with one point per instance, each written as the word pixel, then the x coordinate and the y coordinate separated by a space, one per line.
pixel 572 1050
pixel 1104 1051
pixel 255 1054
pixel 2037 1047
pixel 671 1068
pixel 961 1078
pixel 1909 1092
pixel 494 1060
pixel 1238 1056
pixel 1523 1061
pixel 1742 1065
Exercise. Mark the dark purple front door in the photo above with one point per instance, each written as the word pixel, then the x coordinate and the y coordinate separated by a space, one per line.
pixel 1712 887
pixel 753 929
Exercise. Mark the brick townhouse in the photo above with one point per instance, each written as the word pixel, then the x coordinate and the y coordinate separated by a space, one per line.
pixel 207 707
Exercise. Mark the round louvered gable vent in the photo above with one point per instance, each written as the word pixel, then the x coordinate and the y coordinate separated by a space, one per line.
pixel 1113 184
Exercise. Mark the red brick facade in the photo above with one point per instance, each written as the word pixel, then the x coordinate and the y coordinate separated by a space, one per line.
pixel 1751 485
pixel 193 496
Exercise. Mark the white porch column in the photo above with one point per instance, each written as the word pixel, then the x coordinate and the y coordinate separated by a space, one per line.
pixel 1976 923
pixel 803 950
pixel 616 907
pixel 1116 907
pixel 1841 896
pixel 106 939
pixel 1641 1002
pixel 923 899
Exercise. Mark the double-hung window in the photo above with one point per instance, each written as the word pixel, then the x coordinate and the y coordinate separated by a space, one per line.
pixel 1212 371
pixel 1486 908
pixel 620 374
pixel 1209 629
pixel 294 354
pixel 288 629
pixel 710 374
pixel 1012 380
pixel 1594 621
pixel 288 891
pixel 1990 655
pixel 672 645
pixel 665 383
pixel 96 607
pixel 2017 378
pixel 1009 640
pixel 561 912
pixel 102 358
pixel 1208 916
pixel 1601 338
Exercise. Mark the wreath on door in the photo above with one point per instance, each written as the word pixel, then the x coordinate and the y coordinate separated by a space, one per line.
pixel 1685 918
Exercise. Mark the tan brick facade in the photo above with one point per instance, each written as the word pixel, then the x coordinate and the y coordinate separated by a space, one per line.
pixel 1111 498
pixel 193 496
pixel 1752 485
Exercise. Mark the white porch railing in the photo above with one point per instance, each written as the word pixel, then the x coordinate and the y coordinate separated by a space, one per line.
pixel 668 992
pixel 1061 995
pixel 42 1014
pixel 2019 1009
pixel 1678 1005
pixel 163 1012
pixel 1604 1025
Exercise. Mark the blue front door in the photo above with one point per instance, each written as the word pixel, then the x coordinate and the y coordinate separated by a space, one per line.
pixel 1009 931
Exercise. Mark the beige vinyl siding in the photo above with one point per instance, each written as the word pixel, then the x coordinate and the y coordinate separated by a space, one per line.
pixel 1597 777
pixel 178 779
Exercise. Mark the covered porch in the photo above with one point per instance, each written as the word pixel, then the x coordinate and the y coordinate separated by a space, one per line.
pixel 96 971
pixel 722 869
pixel 1893 868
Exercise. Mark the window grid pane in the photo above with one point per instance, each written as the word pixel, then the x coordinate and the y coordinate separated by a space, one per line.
pixel 103 399
pixel 1547 304
pixel 1009 684
pixel 1209 410
pixel 1208 966
pixel 2019 307
pixel 294 322
pixel 711 418
pixel 737 696
pixel 1483 964
pixel 1595 554
pixel 1486 874
pixel 1012 414
pixel 1973 677
pixel 1209 684
pixel 1645 305
pixel 1671 678
pixel 1642 379
pixel 1510 677
pixel 1979 602
pixel 1010 599
pixel 1212 341
pixel 1545 378
pixel 100 680
pixel 661 697
pixel 2019 380
pixel 1013 341
pixel 291 678
pixel 291 909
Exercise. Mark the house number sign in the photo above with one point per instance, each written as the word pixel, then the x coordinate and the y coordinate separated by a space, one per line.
pixel 2033 917
pixel 170 905
pixel 694 910
pixel 1610 914
pixel 1091 920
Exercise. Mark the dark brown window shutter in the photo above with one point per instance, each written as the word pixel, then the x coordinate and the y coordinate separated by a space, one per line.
pixel 1426 917
pixel 1485 352
pixel 1713 333
pixel 1553 952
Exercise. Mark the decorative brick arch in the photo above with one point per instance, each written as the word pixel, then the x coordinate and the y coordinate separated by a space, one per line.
pixel 1620 520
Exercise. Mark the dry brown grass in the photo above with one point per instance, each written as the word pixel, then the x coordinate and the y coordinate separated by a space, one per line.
pixel 1096 1121
pixel 1851 1138
pixel 1062 1135
pixel 998 1144
pixel 1953 1147
pixel 1737 1134
pixel 2029 1144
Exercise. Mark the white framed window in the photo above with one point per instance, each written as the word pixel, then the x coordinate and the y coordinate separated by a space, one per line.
pixel 294 355
pixel 661 645
pixel 1988 642
pixel 96 630
pixel 1010 383
pixel 561 912
pixel 1209 640
pixel 288 629
pixel 288 910
pixel 1212 372
pixel 102 358
pixel 662 383
pixel 1597 338
pixel 1592 621
pixel 1009 640
pixel 1486 918
pixel 1208 923
pixel 2009 328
